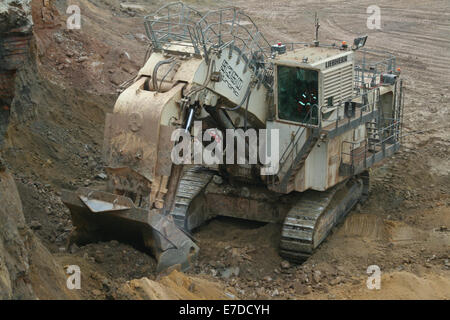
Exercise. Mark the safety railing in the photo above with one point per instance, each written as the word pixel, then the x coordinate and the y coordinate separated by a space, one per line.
pixel 295 149
pixel 369 67
pixel 293 145
pixel 221 29
pixel 173 22
pixel 366 109
pixel 356 154
pixel 231 26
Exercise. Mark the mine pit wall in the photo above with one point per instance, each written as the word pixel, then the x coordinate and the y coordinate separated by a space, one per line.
pixel 13 52
pixel 49 113
pixel 27 269
pixel 15 36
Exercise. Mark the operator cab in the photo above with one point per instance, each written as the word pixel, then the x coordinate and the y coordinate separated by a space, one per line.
pixel 311 81
pixel 298 92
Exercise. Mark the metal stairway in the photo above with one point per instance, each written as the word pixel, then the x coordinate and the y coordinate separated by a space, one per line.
pixel 373 135
pixel 383 138
pixel 293 159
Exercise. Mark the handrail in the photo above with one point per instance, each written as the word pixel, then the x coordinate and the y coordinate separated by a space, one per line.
pixel 221 28
pixel 352 153
pixel 296 139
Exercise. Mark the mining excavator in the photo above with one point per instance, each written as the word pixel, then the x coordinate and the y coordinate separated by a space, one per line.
pixel 323 114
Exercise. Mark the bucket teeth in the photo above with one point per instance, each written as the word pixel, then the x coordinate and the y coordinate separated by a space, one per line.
pixel 170 245
pixel 179 248
pixel 183 256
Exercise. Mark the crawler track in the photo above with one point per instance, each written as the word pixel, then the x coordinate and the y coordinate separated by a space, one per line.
pixel 312 217
pixel 194 180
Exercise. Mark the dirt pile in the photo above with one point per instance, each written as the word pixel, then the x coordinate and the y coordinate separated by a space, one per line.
pixel 397 285
pixel 175 286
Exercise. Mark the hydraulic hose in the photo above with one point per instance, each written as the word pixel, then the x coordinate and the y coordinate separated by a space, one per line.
pixel 155 71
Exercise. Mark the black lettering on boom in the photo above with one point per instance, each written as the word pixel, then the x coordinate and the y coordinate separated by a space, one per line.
pixel 231 78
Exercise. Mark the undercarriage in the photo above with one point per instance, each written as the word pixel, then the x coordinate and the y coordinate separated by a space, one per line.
pixel 305 218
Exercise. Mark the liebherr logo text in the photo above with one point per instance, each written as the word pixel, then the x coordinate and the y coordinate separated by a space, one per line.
pixel 227 309
pixel 336 61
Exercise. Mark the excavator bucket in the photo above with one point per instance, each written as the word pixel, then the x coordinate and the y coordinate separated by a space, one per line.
pixel 101 216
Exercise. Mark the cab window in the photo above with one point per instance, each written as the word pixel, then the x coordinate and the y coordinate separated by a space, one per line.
pixel 298 94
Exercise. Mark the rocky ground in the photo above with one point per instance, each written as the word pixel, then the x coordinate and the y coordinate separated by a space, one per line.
pixel 55 136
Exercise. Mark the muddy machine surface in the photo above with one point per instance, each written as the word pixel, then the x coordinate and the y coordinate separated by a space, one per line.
pixel 332 111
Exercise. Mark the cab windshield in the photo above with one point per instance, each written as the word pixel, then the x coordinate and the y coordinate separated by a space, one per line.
pixel 298 94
